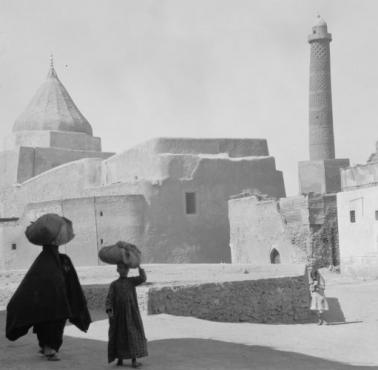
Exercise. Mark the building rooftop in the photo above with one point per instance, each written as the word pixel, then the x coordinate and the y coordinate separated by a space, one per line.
pixel 52 109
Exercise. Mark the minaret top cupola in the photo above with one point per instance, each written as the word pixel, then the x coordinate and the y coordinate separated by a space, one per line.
pixel 319 31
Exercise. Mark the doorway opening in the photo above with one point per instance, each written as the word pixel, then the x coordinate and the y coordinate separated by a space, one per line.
pixel 275 256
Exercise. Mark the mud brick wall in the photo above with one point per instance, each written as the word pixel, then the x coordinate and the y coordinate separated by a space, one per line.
pixel 96 296
pixel 280 300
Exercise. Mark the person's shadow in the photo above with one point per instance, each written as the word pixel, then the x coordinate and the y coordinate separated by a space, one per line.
pixel 335 315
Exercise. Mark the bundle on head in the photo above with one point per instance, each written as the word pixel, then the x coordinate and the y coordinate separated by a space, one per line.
pixel 50 229
pixel 121 252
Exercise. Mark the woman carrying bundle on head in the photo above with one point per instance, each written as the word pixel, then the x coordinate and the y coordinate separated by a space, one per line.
pixel 50 292
pixel 126 333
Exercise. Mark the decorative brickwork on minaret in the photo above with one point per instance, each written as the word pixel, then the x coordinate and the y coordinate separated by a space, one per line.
pixel 322 145
pixel 321 174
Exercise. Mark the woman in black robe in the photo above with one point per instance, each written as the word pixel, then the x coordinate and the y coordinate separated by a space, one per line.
pixel 49 294
pixel 126 333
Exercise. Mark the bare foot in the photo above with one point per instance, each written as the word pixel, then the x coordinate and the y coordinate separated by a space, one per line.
pixel 135 364
pixel 120 362
pixel 53 357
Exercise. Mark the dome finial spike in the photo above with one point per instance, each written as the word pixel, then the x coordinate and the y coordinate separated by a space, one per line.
pixel 52 72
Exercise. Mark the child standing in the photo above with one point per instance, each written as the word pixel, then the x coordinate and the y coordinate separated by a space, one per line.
pixel 126 332
pixel 318 301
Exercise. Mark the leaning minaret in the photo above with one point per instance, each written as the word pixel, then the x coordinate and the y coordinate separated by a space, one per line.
pixel 322 145
pixel 320 174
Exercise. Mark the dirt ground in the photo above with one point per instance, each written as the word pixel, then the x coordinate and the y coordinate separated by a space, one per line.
pixel 169 354
pixel 175 343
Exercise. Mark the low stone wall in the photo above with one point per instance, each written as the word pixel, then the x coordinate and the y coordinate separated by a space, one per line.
pixel 276 300
pixel 281 300
pixel 96 296
pixel 219 292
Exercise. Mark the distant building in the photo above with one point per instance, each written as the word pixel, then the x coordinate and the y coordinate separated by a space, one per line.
pixel 167 195
pixel 294 229
pixel 286 230
pixel 357 208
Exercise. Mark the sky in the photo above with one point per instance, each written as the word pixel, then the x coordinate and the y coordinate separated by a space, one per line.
pixel 139 69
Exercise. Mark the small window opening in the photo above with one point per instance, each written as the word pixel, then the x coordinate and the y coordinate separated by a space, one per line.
pixel 14 247
pixel 101 213
pixel 190 203
pixel 352 216
pixel 376 215
pixel 102 241
pixel 275 256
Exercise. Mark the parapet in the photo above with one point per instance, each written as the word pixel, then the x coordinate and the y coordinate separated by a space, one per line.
pixel 234 147
pixel 359 176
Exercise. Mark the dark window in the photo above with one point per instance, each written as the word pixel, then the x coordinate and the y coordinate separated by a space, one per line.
pixel 352 216
pixel 101 213
pixel 14 246
pixel 190 203
pixel 102 241
pixel 376 215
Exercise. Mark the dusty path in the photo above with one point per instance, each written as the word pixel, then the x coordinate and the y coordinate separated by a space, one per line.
pixel 171 354
pixel 186 343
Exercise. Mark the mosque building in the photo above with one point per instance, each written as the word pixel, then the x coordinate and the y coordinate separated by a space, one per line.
pixel 167 195
pixel 297 228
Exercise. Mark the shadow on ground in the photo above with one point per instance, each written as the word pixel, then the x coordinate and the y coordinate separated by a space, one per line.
pixel 173 354
pixel 335 314
pixel 177 354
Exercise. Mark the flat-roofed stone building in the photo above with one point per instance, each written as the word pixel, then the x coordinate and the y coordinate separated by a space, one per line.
pixel 167 195
pixel 357 207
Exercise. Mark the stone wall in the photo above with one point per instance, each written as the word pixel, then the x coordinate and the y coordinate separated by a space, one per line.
pixel 96 279
pixel 296 227
pixel 57 139
pixel 324 236
pixel 40 160
pixel 321 176
pixel 97 221
pixel 280 299
pixel 358 239
pixel 170 233
pixel 256 229
pixel 8 167
pixel 359 176
pixel 283 300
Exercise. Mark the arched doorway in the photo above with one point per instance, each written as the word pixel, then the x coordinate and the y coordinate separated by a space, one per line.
pixel 275 256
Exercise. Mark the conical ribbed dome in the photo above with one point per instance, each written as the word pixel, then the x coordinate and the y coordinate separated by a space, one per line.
pixel 52 109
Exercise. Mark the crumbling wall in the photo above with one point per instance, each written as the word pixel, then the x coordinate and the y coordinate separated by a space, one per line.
pixel 324 230
pixel 257 228
pixel 300 228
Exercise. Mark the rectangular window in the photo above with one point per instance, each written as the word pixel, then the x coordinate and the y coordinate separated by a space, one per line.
pixel 190 203
pixel 376 215
pixel 352 216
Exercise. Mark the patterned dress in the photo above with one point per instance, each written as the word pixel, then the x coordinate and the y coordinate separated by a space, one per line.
pixel 126 332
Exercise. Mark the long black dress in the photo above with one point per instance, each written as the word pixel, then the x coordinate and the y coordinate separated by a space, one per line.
pixel 126 332
pixel 49 294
